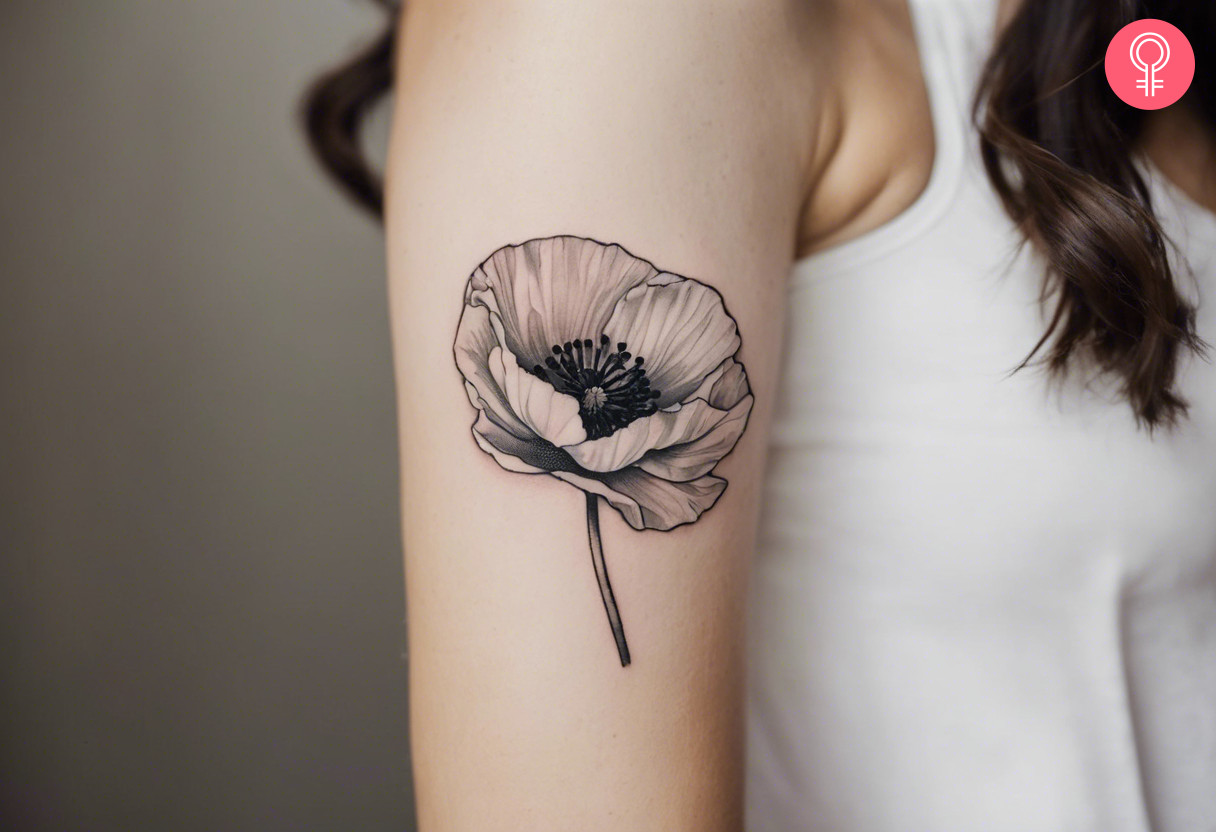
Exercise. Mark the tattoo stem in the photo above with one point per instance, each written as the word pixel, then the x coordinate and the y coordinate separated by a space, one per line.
pixel 601 575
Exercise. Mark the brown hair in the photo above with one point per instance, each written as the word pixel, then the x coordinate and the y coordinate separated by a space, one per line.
pixel 1058 148
pixel 336 104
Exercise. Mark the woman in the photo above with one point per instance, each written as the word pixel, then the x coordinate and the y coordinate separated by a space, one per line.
pixel 977 596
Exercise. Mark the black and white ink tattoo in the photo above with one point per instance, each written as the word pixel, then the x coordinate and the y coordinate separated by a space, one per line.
pixel 593 366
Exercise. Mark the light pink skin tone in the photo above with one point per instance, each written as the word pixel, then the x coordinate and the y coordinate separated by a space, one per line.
pixel 721 140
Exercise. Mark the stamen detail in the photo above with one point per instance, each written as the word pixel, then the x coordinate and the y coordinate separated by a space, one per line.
pixel 611 391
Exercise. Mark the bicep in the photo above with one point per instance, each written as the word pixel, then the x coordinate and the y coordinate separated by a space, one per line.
pixel 572 190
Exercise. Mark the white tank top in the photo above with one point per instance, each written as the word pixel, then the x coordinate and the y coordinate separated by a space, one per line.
pixel 979 603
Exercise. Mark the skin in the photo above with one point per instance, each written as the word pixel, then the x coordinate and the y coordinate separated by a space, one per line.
pixel 1184 149
pixel 659 126
pixel 654 125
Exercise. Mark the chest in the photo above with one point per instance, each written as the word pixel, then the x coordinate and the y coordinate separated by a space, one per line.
pixel 901 420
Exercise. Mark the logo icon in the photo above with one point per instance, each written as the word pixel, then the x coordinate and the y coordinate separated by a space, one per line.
pixel 1150 64
pixel 1150 83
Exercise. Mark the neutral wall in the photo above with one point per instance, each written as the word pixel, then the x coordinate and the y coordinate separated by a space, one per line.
pixel 200 581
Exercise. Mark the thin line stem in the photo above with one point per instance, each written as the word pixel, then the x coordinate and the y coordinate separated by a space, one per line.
pixel 601 575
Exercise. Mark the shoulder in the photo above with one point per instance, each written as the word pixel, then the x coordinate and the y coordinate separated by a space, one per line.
pixel 712 48
pixel 731 80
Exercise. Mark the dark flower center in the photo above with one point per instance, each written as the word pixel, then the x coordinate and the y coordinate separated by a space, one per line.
pixel 611 392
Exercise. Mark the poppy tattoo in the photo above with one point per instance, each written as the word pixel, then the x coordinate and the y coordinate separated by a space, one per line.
pixel 591 365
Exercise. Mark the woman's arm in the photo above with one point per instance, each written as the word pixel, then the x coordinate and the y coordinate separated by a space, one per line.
pixel 673 130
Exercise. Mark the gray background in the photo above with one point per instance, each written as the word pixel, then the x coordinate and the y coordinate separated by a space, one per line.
pixel 201 615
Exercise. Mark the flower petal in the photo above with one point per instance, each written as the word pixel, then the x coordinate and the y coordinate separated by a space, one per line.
pixel 627 506
pixel 552 415
pixel 681 329
pixel 725 386
pixel 554 290
pixel 647 502
pixel 514 454
pixel 658 430
pixel 690 460
pixel 475 340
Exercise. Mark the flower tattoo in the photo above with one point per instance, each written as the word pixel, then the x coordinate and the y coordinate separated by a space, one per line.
pixel 591 365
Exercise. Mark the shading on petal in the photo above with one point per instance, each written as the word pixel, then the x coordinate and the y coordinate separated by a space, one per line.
pixel 665 505
pixel 681 329
pixel 647 502
pixel 501 418
pixel 658 430
pixel 521 456
pixel 475 340
pixel 552 415
pixel 690 460
pixel 725 386
pixel 627 506
pixel 554 290
pixel 506 449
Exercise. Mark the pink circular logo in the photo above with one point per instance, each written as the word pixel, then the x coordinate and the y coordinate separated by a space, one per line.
pixel 1150 64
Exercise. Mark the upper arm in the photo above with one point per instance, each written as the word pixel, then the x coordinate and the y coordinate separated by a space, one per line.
pixel 660 128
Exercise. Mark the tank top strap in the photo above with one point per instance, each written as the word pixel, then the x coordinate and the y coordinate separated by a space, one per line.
pixel 954 37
